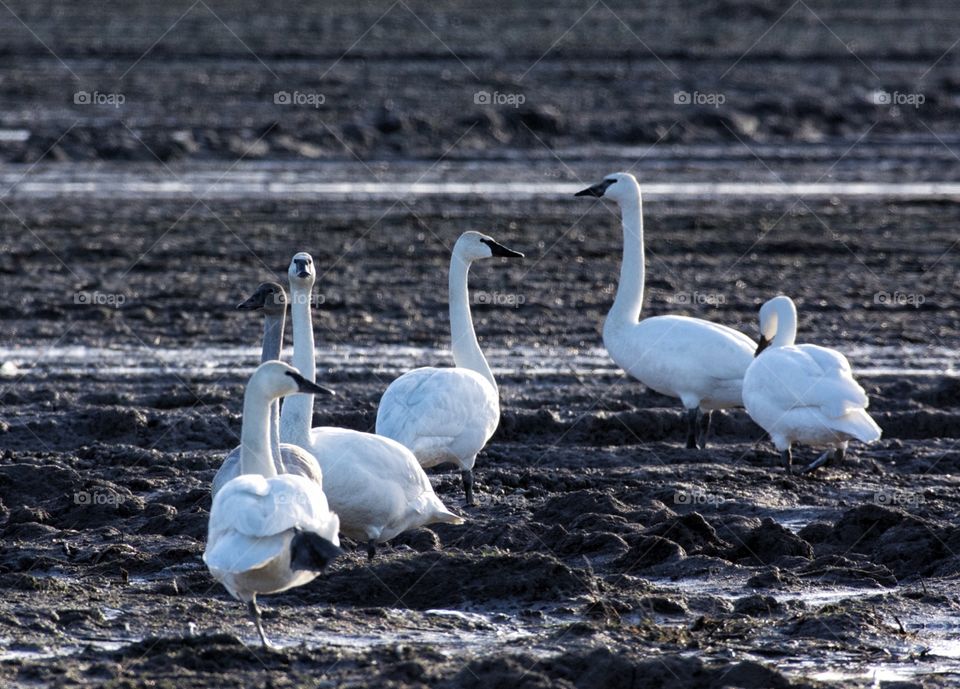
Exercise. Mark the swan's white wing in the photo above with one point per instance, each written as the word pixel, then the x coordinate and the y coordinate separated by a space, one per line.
pixel 233 553
pixel 790 378
pixel 295 460
pixel 434 409
pixel 828 359
pixel 254 506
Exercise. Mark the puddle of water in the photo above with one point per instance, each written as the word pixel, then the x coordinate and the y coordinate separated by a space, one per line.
pixel 391 360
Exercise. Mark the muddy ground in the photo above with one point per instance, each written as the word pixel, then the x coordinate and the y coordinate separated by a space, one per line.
pixel 601 553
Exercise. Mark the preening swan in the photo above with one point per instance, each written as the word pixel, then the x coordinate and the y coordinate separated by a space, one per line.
pixel 373 483
pixel 803 393
pixel 268 532
pixel 700 362
pixel 448 414
pixel 288 459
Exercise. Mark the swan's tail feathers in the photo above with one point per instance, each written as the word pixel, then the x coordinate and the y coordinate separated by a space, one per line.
pixel 861 426
pixel 445 516
pixel 311 552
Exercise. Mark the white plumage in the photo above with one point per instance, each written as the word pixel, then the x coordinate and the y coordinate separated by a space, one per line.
pixel 448 414
pixel 268 532
pixel 374 484
pixel 699 362
pixel 803 393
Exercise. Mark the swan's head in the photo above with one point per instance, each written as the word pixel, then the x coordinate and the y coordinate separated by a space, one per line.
pixel 620 187
pixel 274 379
pixel 473 246
pixel 301 271
pixel 770 314
pixel 268 296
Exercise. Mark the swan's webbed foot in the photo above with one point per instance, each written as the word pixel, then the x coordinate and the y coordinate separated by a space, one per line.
pixel 786 458
pixel 693 418
pixel 704 429
pixel 826 458
pixel 258 622
pixel 467 475
pixel 371 549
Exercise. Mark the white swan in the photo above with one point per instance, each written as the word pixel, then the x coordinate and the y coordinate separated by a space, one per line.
pixel 288 459
pixel 268 532
pixel 373 483
pixel 803 393
pixel 448 414
pixel 700 362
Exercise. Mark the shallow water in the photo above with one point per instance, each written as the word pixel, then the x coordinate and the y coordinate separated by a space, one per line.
pixel 200 362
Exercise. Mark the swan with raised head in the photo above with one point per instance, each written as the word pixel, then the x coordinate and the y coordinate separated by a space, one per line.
pixel 699 362
pixel 268 532
pixel 803 393
pixel 288 459
pixel 373 483
pixel 448 414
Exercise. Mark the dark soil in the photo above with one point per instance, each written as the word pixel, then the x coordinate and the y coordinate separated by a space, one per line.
pixel 601 553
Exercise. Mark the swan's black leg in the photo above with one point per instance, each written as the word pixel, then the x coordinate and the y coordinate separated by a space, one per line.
pixel 786 457
pixel 255 612
pixel 693 416
pixel 467 475
pixel 371 548
pixel 704 429
pixel 839 454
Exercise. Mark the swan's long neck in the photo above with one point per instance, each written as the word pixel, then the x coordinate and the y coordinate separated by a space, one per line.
pixel 786 325
pixel 629 299
pixel 255 435
pixel 466 349
pixel 297 414
pixel 272 344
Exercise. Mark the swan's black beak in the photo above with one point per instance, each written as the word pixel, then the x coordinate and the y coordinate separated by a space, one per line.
pixel 597 190
pixel 498 249
pixel 761 345
pixel 301 265
pixel 251 303
pixel 309 387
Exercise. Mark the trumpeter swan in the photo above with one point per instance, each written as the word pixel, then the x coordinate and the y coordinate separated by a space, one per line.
pixel 803 393
pixel 288 459
pixel 373 483
pixel 268 532
pixel 700 362
pixel 448 414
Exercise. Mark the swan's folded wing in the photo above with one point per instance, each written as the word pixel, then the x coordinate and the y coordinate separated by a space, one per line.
pixel 829 360
pixel 257 507
pixel 233 552
pixel 433 405
pixel 793 379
